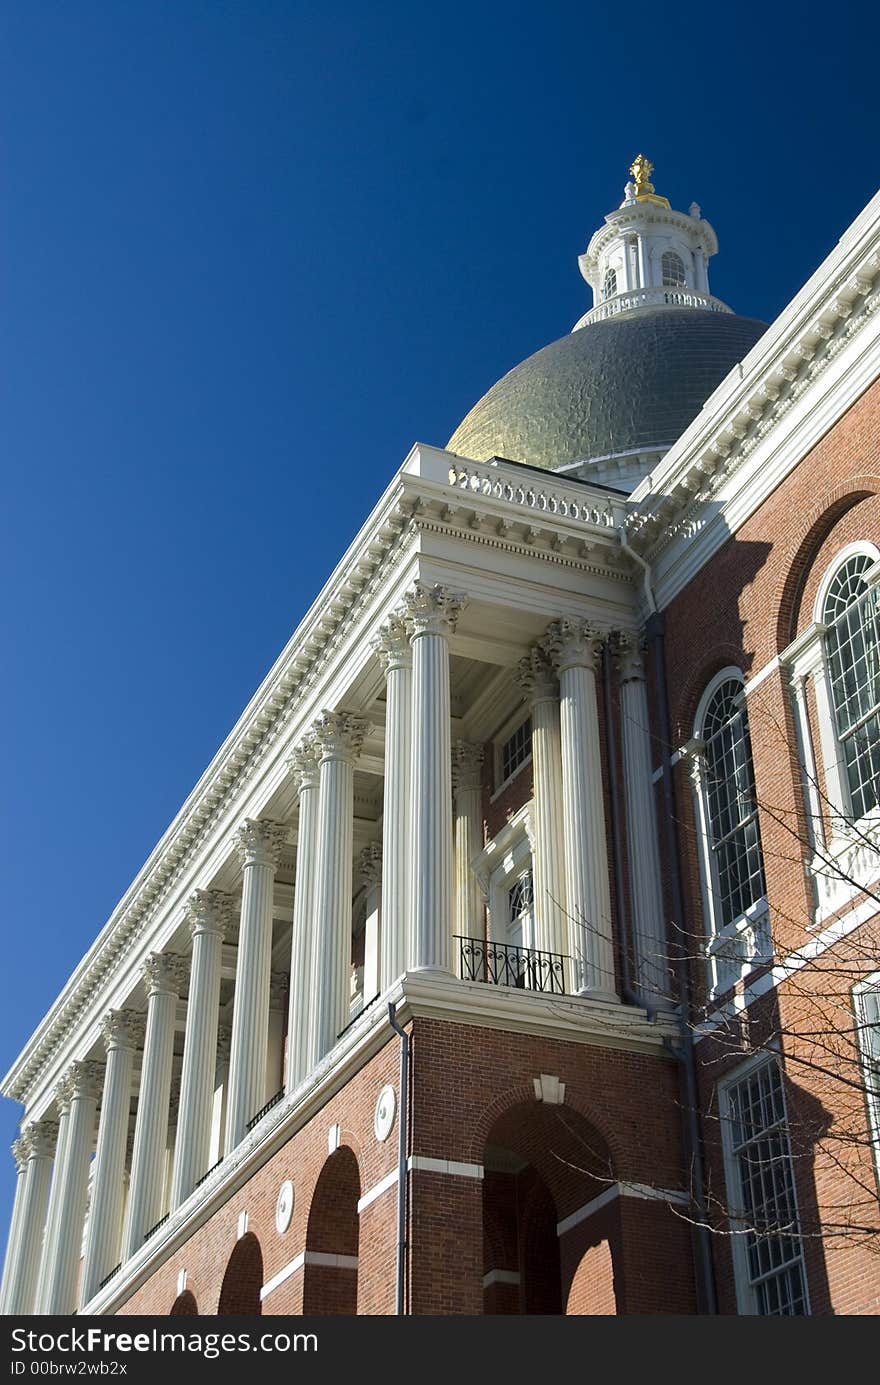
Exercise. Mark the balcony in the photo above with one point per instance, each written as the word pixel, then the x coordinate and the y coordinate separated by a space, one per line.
pixel 504 964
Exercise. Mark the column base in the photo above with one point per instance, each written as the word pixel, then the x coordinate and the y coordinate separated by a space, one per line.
pixel 607 997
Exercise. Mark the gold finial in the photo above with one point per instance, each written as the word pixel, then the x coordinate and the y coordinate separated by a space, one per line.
pixel 641 169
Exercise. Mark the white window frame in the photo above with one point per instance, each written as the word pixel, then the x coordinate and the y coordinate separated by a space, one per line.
pixel 852 852
pixel 510 728
pixel 506 859
pixel 746 1295
pixel 742 943
pixel 868 1063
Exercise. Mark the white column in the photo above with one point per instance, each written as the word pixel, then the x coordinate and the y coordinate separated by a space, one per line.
pixel 652 979
pixel 302 1040
pixel 339 737
pixel 469 913
pixel 432 613
pixel 536 677
pixel 642 262
pixel 393 649
pixel 209 914
pixel 279 995
pixel 122 1032
pixel 575 646
pixel 165 975
pixel 58 1281
pixel 259 845
pixel 19 1154
pixel 22 1270
pixel 370 871
pixel 221 1091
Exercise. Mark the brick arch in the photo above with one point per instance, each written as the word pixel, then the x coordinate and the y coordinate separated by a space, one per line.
pixel 243 1279
pixel 184 1306
pixel 717 657
pixel 333 1236
pixel 563 1146
pixel 523 1094
pixel 802 551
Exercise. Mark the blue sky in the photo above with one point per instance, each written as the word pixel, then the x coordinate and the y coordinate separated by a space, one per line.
pixel 249 253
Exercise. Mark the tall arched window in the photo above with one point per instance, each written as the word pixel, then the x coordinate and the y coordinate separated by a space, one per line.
pixel 609 283
pixel 851 613
pixel 734 838
pixel 672 267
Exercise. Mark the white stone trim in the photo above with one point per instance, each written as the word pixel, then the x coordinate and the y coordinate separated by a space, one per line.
pixel 289 1269
pixel 594 1205
pixel 422 1163
pixel 643 1191
pixel 389 1181
pixel 307 1257
pixel 501 1277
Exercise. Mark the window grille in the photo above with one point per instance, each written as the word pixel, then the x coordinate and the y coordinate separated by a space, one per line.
pixel 761 1190
pixel 734 836
pixel 672 267
pixel 866 997
pixel 609 284
pixel 521 898
pixel 852 614
pixel 516 750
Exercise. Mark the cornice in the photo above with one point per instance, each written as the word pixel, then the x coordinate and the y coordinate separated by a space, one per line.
pixel 832 309
pixel 428 478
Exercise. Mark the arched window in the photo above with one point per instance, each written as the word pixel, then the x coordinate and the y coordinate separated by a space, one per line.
pixel 672 267
pixel 609 284
pixel 851 613
pixel 736 870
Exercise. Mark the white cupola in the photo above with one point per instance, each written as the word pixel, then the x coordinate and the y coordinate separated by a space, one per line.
pixel 648 256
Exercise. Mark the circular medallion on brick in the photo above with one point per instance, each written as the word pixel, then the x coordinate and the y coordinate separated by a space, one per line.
pixel 284 1206
pixel 386 1109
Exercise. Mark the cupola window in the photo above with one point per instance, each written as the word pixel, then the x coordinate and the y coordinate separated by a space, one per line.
pixel 609 284
pixel 673 270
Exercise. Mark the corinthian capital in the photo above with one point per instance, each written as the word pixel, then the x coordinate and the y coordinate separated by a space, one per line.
pixel 303 765
pixel 165 972
pixel 391 644
pixel 340 735
pixel 370 864
pixel 123 1028
pixel 260 841
pixel 432 609
pixel 82 1080
pixel 224 1042
pixel 629 656
pixel 209 911
pixel 41 1137
pixel 536 676
pixel 20 1152
pixel 467 764
pixel 573 643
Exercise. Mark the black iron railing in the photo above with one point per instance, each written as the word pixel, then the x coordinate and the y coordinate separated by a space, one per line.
pixel 153 1229
pixel 207 1173
pixel 273 1101
pixel 356 1017
pixel 502 964
pixel 107 1277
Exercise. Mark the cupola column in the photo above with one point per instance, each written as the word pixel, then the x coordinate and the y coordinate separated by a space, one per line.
pixel 538 681
pixel 165 976
pixel 122 1032
pixel 37 1145
pixel 302 1045
pixel 209 913
pixel 81 1090
pixel 432 612
pixel 393 650
pixel 469 915
pixel 574 646
pixel 339 738
pixel 259 848
pixel 646 887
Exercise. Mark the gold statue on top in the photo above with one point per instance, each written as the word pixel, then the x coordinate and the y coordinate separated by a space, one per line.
pixel 641 170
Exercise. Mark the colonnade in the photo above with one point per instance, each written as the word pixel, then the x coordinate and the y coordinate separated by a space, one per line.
pixel 431 831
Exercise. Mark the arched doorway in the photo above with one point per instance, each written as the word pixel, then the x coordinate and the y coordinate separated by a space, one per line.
pixel 184 1306
pixel 243 1280
pixel 332 1238
pixel 545 1167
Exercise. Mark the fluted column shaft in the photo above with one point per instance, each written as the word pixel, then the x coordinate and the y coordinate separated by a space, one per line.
pixel 575 647
pixel 469 914
pixel 259 844
pixel 393 649
pixel 165 975
pixel 209 913
pixel 339 737
pixel 19 1154
pixel 432 612
pixel 302 1030
pixel 122 1031
pixel 23 1268
pixel 58 1282
pixel 536 677
pixel 646 885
